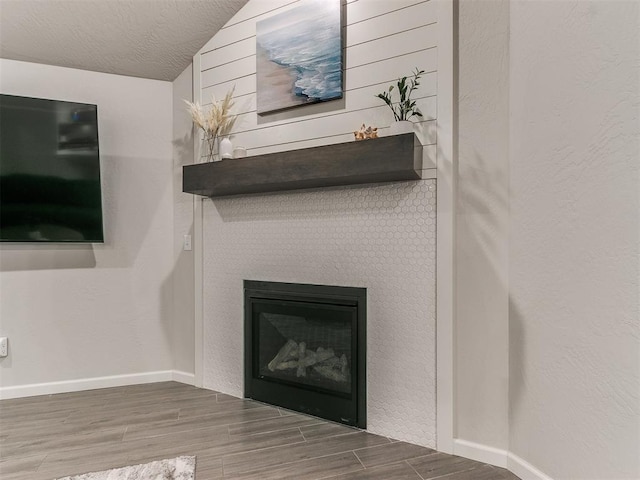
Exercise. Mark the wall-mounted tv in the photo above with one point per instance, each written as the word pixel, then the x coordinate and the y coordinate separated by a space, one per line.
pixel 49 171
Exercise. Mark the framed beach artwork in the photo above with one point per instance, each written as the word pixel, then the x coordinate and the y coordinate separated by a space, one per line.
pixel 299 56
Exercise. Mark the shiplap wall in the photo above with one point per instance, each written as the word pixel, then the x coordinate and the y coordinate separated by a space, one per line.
pixel 381 237
pixel 383 40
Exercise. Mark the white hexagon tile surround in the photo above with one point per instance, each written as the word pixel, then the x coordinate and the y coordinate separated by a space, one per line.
pixel 381 237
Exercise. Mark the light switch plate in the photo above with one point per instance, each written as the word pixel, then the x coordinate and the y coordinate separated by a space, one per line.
pixel 186 243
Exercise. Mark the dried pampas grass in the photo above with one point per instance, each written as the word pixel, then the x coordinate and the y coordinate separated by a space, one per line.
pixel 216 121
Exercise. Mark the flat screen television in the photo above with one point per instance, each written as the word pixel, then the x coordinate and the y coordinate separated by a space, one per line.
pixel 49 171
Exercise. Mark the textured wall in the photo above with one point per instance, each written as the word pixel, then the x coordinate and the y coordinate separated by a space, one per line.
pixel 183 269
pixel 574 238
pixel 482 303
pixel 379 237
pixel 84 311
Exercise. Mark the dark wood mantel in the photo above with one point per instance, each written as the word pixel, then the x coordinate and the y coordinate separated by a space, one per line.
pixel 386 159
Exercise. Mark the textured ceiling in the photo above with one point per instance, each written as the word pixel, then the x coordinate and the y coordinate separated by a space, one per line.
pixel 141 38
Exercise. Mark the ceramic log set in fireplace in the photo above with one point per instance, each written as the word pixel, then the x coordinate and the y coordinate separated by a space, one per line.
pixel 305 348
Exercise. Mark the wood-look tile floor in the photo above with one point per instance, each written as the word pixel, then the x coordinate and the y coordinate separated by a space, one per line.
pixel 56 435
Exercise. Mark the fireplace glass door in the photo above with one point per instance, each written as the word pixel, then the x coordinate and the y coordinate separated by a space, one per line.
pixel 302 352
pixel 308 345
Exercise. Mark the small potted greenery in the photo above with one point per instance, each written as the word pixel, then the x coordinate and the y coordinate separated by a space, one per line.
pixel 406 108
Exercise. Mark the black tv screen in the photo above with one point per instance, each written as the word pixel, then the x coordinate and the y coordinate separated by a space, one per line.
pixel 49 171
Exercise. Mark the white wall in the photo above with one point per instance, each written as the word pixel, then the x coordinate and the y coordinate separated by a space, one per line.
pixel 574 238
pixel 84 311
pixel 482 324
pixel 384 41
pixel 183 269
pixel 378 237
pixel 548 237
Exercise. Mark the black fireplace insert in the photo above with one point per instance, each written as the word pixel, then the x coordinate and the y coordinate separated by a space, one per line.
pixel 305 348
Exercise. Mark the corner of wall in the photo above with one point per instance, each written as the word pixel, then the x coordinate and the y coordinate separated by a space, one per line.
pixel 183 333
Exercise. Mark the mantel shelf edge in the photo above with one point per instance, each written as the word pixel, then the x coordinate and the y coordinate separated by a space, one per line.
pixel 386 159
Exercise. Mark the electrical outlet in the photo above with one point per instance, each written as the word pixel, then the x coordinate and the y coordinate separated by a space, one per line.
pixel 186 243
pixel 4 346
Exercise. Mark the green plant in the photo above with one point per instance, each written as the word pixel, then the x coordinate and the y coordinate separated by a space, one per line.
pixel 405 108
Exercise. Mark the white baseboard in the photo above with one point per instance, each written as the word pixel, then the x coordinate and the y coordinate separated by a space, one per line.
pixel 94 383
pixel 499 458
pixel 481 453
pixel 183 377
pixel 524 469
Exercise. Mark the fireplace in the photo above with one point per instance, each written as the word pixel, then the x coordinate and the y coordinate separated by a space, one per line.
pixel 305 348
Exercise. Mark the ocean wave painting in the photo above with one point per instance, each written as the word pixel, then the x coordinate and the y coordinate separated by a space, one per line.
pixel 299 56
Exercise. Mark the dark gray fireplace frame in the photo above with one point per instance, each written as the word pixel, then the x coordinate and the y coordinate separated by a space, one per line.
pixel 339 408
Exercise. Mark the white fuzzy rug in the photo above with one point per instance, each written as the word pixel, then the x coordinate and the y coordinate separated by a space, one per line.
pixel 181 468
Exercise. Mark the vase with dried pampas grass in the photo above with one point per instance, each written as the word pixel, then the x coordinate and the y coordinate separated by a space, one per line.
pixel 215 121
